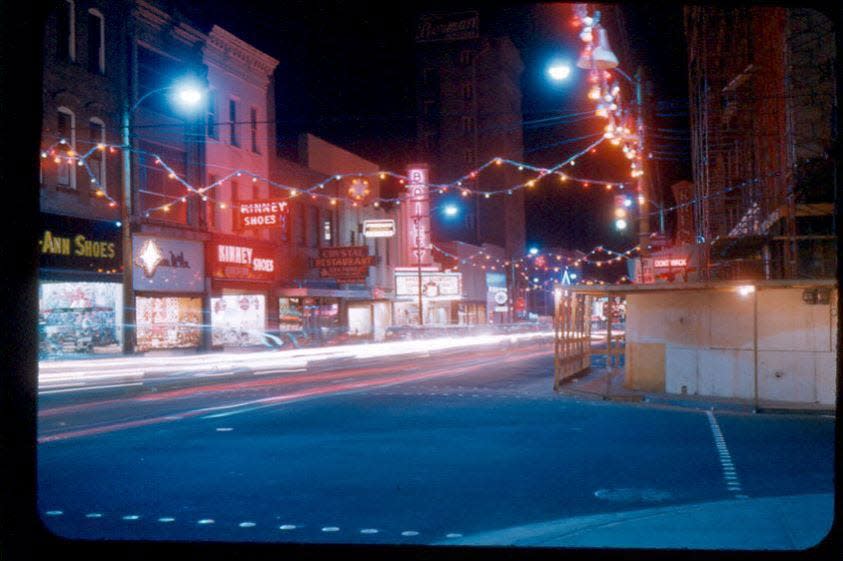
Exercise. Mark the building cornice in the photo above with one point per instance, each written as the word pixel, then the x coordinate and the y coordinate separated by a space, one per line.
pixel 232 54
pixel 158 20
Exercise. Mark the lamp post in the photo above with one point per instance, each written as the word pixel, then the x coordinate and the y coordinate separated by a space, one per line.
pixel 189 95
pixel 643 198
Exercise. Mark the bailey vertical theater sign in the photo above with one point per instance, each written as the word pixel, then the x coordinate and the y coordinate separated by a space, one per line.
pixel 345 264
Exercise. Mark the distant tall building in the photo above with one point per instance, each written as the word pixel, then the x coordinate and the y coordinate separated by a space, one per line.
pixel 469 112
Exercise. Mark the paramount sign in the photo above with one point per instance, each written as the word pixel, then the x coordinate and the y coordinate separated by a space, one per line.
pixel 448 27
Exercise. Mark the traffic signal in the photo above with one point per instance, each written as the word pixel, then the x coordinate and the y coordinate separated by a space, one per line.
pixel 621 214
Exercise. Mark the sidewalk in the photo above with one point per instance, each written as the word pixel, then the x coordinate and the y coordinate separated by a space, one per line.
pixel 600 383
pixel 768 523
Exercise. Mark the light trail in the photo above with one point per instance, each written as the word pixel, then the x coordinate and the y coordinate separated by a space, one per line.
pixel 226 410
pixel 59 374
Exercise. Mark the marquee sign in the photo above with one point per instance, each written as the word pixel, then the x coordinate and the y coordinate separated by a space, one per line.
pixel 240 262
pixel 266 213
pixel 670 263
pixel 434 285
pixel 345 264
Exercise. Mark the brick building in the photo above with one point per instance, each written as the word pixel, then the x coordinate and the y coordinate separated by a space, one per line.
pixel 469 112
pixel 762 94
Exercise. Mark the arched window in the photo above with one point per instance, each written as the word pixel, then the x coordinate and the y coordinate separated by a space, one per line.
pixel 96 161
pixel 96 41
pixel 66 164
pixel 66 31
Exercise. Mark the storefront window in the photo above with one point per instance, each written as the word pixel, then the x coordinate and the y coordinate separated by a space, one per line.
pixel 168 323
pixel 238 319
pixel 290 314
pixel 79 317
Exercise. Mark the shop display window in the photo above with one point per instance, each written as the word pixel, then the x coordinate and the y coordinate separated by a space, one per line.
pixel 79 317
pixel 238 319
pixel 168 322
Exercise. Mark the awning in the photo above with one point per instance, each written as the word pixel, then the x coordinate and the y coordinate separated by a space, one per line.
pixel 347 294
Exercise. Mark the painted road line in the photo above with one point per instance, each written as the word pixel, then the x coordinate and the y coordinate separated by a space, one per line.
pixel 730 477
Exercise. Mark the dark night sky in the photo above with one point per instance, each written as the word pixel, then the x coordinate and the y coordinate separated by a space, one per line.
pixel 347 74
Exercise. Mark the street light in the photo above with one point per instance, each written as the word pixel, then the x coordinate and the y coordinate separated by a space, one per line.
pixel 559 71
pixel 189 95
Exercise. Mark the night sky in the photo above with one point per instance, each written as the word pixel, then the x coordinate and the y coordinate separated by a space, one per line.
pixel 347 74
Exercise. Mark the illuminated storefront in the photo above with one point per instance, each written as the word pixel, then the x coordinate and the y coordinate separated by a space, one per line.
pixel 168 322
pixel 168 278
pixel 80 298
pixel 441 293
pixel 241 278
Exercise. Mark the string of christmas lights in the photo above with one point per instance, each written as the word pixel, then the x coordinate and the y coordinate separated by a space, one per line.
pixel 81 160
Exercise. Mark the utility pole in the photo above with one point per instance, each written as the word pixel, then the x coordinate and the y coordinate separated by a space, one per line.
pixel 126 211
pixel 417 222
pixel 643 195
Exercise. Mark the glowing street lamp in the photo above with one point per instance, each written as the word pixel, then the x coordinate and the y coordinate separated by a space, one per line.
pixel 559 71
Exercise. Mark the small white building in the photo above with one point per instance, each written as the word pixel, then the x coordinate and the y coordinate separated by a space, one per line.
pixel 764 341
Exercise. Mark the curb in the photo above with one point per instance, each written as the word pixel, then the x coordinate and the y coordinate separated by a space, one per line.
pixel 658 400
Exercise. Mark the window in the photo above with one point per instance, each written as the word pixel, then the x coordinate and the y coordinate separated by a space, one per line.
pixel 467 91
pixel 468 156
pixel 312 226
pixel 96 42
pixel 326 231
pixel 253 121
pixel 212 115
pixel 353 237
pixel 232 119
pixel 96 161
pixel 466 57
pixel 428 107
pixel 235 199
pixel 66 167
pixel 210 204
pixel 429 142
pixel 298 223
pixel 66 31
pixel 428 76
pixel 467 124
pixel 158 193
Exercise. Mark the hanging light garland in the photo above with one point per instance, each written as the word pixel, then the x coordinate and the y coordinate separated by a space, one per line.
pixel 357 192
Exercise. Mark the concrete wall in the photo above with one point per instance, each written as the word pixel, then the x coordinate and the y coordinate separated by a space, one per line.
pixel 706 341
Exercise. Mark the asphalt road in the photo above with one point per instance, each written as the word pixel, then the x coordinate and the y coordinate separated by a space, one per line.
pixel 397 451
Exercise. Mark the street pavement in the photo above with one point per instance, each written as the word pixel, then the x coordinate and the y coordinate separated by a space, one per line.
pixel 465 447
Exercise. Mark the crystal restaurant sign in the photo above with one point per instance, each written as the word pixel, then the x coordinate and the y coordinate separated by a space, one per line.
pixel 262 214
pixel 345 264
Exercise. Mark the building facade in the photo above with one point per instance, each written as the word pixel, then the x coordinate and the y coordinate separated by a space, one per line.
pixel 80 269
pixel 762 94
pixel 469 112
